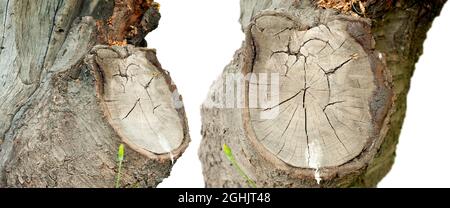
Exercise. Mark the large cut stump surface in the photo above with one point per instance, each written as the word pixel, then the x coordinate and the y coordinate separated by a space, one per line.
pixel 326 87
pixel 139 99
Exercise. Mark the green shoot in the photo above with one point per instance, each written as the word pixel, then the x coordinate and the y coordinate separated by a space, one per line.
pixel 230 156
pixel 120 156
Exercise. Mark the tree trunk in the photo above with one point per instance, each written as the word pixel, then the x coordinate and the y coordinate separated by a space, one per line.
pixel 332 115
pixel 75 84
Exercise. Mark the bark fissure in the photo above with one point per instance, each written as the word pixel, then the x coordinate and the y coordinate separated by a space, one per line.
pixel 61 135
pixel 22 107
pixel 4 26
pixel 52 31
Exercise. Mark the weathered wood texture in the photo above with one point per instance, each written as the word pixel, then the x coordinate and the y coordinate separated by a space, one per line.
pixel 58 127
pixel 342 93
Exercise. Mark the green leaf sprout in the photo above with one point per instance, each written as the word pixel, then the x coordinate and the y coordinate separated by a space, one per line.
pixel 120 156
pixel 232 159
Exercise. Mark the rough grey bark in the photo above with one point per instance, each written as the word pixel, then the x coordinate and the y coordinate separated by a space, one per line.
pixel 54 128
pixel 391 33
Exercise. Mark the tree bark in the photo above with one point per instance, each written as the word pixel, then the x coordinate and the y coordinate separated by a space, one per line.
pixel 345 72
pixel 75 84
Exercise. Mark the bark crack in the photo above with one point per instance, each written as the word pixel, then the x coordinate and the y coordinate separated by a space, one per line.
pixel 4 26
pixel 58 6
pixel 18 115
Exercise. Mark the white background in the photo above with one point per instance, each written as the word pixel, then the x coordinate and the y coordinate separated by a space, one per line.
pixel 197 38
